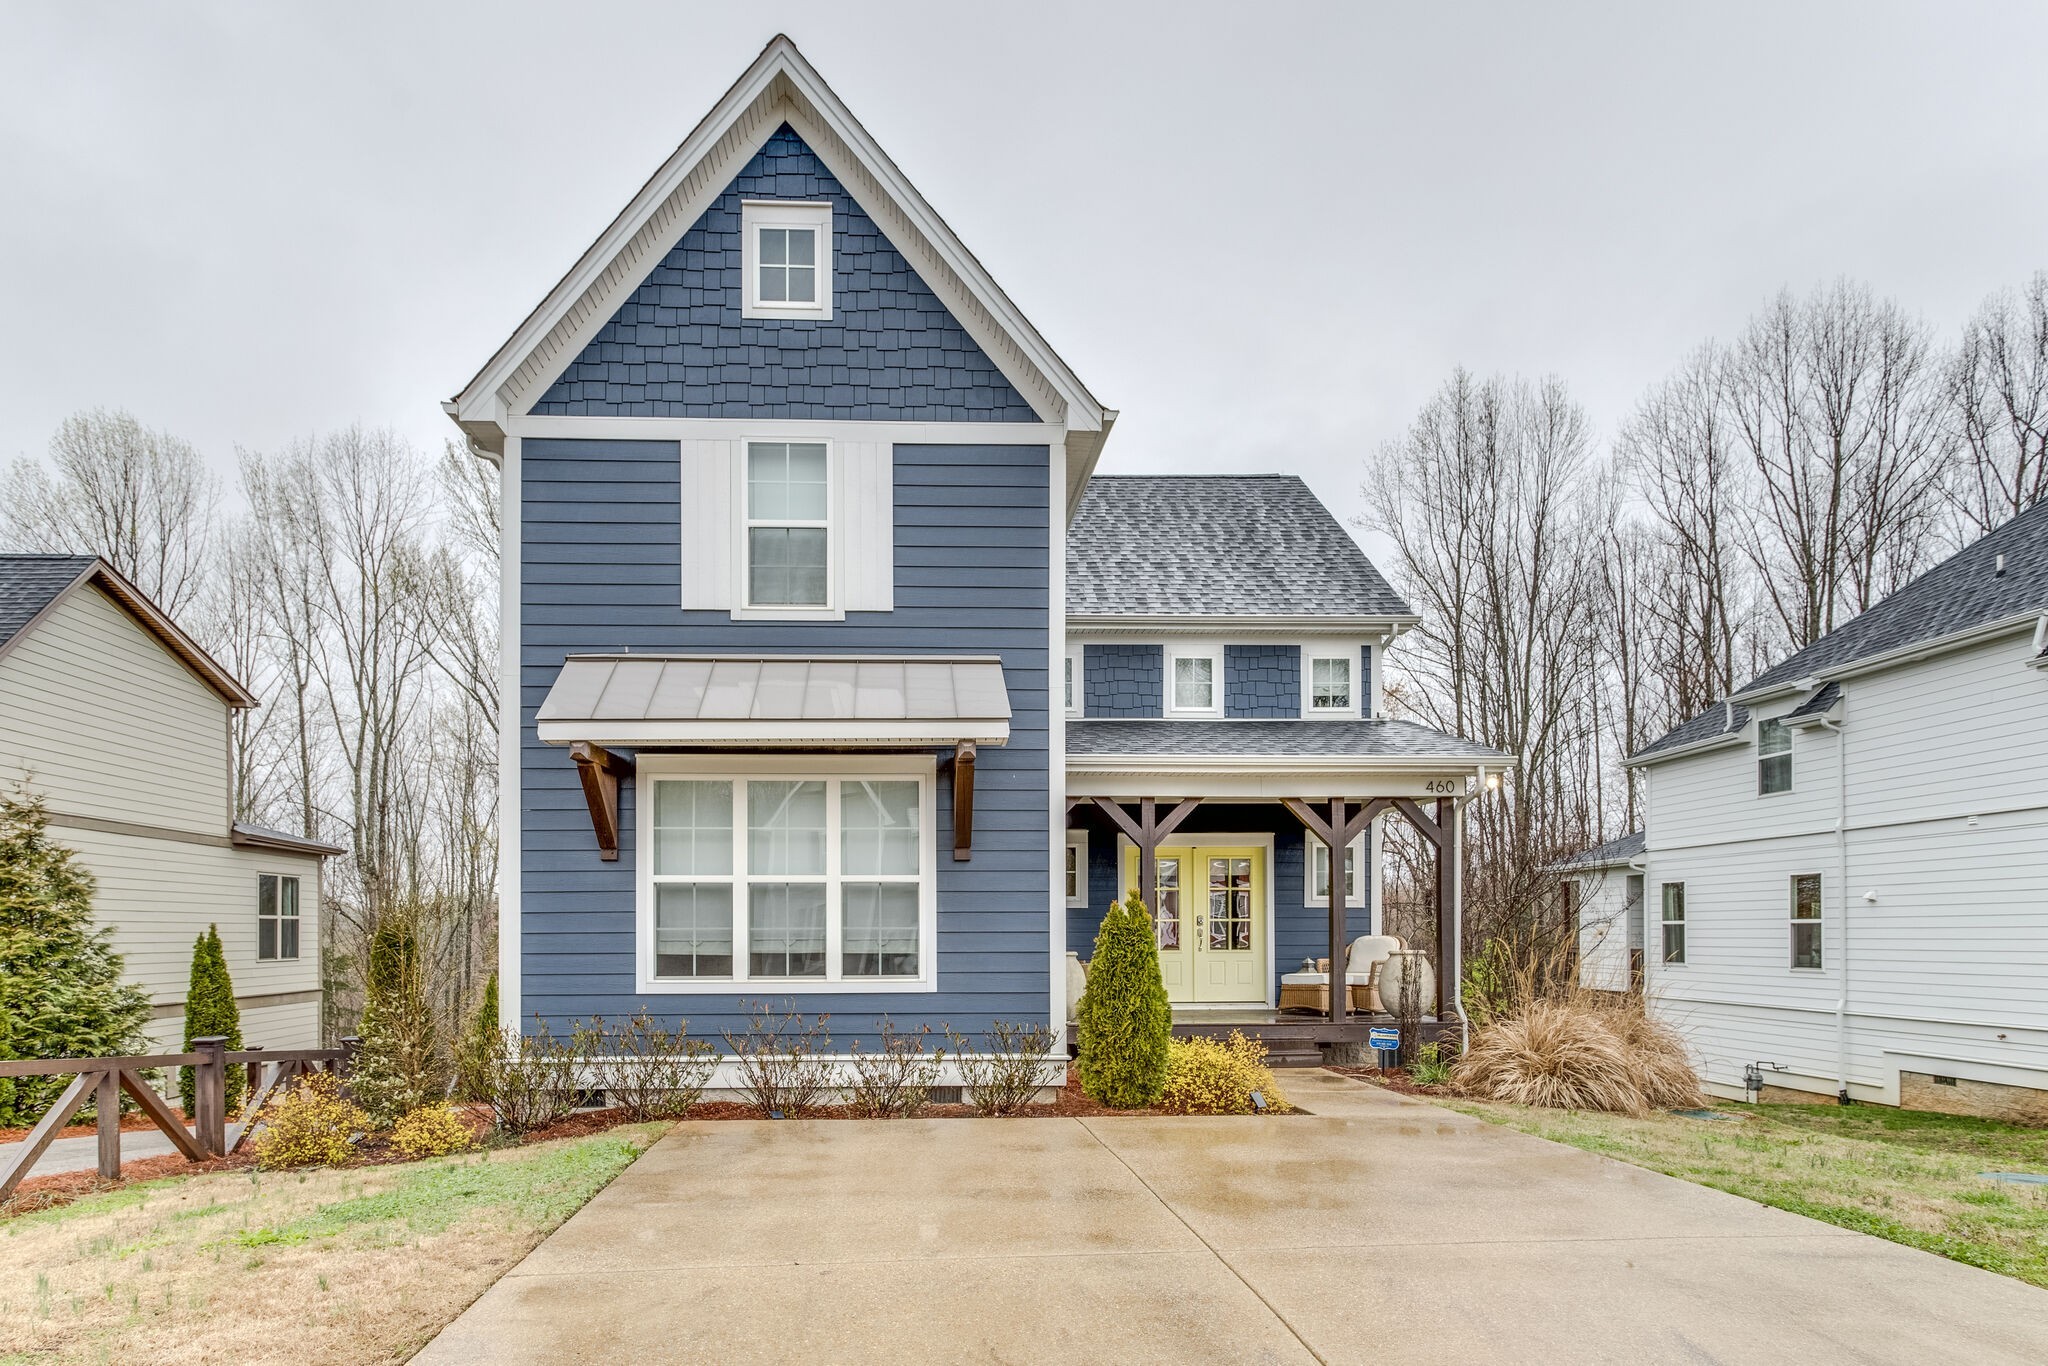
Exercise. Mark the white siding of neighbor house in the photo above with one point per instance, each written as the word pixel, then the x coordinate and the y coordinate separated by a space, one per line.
pixel 1607 928
pixel 1946 892
pixel 106 725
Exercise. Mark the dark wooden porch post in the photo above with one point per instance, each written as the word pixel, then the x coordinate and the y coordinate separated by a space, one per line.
pixel 1337 833
pixel 1448 908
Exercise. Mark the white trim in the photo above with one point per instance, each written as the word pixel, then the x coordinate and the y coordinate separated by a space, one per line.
pixel 1313 654
pixel 1142 627
pixel 511 847
pixel 1205 840
pixel 1175 652
pixel 1057 511
pixel 599 427
pixel 833 525
pixel 1905 654
pixel 741 732
pixel 1354 898
pixel 1793 920
pixel 802 215
pixel 1077 894
pixel 831 770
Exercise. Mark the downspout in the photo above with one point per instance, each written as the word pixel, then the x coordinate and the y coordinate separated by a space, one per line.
pixel 1842 897
pixel 1458 900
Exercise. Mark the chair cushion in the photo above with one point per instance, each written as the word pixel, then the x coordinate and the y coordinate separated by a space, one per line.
pixel 1369 950
pixel 1306 979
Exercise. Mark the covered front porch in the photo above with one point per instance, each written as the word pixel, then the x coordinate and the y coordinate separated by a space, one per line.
pixel 1234 855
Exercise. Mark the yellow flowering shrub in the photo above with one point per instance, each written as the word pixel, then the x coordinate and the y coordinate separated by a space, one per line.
pixel 311 1125
pixel 432 1131
pixel 1218 1076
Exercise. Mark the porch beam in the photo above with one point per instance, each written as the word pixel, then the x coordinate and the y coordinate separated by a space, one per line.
pixel 1431 830
pixel 600 771
pixel 963 801
pixel 1147 832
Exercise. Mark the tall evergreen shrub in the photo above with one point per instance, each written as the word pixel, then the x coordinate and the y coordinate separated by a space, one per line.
pixel 479 1048
pixel 403 1063
pixel 61 993
pixel 1124 1018
pixel 210 1011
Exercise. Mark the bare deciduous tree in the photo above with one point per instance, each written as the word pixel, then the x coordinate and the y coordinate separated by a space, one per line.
pixel 1997 385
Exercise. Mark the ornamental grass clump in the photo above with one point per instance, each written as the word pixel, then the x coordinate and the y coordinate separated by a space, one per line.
pixel 432 1131
pixel 1124 1019
pixel 1218 1077
pixel 311 1125
pixel 1576 1056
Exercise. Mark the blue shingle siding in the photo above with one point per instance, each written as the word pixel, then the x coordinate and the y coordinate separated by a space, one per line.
pixel 1123 680
pixel 600 567
pixel 679 348
pixel 1298 931
pixel 1261 681
pixel 1365 682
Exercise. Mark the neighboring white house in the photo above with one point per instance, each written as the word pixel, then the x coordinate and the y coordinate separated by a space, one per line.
pixel 1847 861
pixel 1606 888
pixel 122 725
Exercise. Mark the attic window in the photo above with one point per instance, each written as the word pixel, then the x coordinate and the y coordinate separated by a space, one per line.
pixel 787 251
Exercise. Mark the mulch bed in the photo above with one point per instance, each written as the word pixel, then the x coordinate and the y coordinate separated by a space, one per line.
pixel 130 1123
pixel 1394 1079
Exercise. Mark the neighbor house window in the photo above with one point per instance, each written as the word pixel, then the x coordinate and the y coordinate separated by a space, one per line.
pixel 789 877
pixel 787 258
pixel 1329 686
pixel 1196 680
pixel 1773 758
pixel 788 524
pixel 1674 922
pixel 1318 880
pixel 1072 692
pixel 277 916
pixel 1077 870
pixel 1806 920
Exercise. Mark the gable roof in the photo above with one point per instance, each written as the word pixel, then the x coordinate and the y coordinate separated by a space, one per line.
pixel 1259 545
pixel 781 87
pixel 31 587
pixel 2000 580
pixel 1609 855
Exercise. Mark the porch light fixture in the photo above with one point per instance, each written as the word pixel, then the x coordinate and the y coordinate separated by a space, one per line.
pixel 1493 782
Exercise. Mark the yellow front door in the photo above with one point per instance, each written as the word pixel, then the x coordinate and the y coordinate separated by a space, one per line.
pixel 1210 923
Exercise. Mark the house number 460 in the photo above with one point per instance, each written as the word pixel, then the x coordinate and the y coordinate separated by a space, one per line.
pixel 1440 787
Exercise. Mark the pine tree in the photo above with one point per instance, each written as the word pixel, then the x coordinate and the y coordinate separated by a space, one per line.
pixel 1124 1017
pixel 403 1063
pixel 480 1046
pixel 210 1012
pixel 61 993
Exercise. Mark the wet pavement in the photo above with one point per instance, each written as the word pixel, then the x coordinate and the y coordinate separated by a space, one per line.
pixel 1377 1230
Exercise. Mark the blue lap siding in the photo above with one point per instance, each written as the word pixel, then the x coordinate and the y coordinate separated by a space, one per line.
pixel 1299 931
pixel 601 571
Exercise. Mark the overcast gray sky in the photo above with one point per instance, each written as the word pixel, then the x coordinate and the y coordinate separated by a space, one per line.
pixel 1265 232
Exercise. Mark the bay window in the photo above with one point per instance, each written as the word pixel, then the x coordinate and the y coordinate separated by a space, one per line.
pixel 819 872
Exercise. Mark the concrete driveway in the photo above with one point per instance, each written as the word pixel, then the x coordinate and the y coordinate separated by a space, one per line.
pixel 1380 1230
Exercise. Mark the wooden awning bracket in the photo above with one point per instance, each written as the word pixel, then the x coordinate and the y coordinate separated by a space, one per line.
pixel 600 770
pixel 963 801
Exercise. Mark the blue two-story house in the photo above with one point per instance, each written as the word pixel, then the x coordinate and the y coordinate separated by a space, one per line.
pixel 834 676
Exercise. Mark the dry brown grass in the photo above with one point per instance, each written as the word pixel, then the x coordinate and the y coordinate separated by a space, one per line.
pixel 1574 1055
pixel 307 1268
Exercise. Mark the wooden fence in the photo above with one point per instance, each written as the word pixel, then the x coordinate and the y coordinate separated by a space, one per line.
pixel 102 1080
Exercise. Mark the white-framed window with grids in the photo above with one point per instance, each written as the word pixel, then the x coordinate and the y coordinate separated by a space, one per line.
pixel 277 917
pixel 1315 881
pixel 1806 921
pixel 786 251
pixel 786 525
pixel 787 871
pixel 1332 681
pixel 1194 682
pixel 1077 868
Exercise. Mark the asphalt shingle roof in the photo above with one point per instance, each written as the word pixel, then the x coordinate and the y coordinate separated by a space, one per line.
pixel 1216 545
pixel 1963 591
pixel 1377 739
pixel 28 584
pixel 1606 855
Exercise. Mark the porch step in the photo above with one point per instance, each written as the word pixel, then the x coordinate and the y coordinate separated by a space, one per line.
pixel 1293 1051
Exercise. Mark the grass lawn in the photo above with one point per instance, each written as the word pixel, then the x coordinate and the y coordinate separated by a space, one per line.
pixel 1898 1174
pixel 319 1266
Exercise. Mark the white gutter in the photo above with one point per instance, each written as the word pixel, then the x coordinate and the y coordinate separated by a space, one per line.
pixel 1285 763
pixel 1842 883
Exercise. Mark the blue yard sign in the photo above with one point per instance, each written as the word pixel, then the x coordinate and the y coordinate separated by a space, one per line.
pixel 1385 1038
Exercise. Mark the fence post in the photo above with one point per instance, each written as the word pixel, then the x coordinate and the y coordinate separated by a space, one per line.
pixel 106 1102
pixel 255 1074
pixel 210 1096
pixel 351 1044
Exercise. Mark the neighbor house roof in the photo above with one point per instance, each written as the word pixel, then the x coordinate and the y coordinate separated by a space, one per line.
pixel 31 586
pixel 1609 855
pixel 1259 545
pixel 2001 579
pixel 1279 739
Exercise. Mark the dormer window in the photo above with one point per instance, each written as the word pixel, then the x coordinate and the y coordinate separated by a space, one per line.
pixel 1329 687
pixel 1773 758
pixel 788 257
pixel 1196 681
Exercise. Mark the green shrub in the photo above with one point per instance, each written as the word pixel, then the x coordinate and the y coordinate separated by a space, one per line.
pixel 479 1046
pixel 211 1012
pixel 432 1131
pixel 61 993
pixel 1124 1019
pixel 1218 1076
pixel 311 1125
pixel 402 1063
pixel 1432 1066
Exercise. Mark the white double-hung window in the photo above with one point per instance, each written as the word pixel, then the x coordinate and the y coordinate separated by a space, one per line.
pixel 1330 689
pixel 788 524
pixel 1195 682
pixel 787 255
pixel 788 872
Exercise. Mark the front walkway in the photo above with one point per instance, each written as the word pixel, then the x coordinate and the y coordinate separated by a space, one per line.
pixel 1381 1230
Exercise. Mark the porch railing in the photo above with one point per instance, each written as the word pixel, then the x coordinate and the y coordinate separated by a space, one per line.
pixel 103 1080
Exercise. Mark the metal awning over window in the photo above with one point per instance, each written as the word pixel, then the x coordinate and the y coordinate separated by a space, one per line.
pixel 637 701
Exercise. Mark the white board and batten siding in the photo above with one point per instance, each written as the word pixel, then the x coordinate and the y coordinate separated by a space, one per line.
pixel 1946 894
pixel 862 539
pixel 129 751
